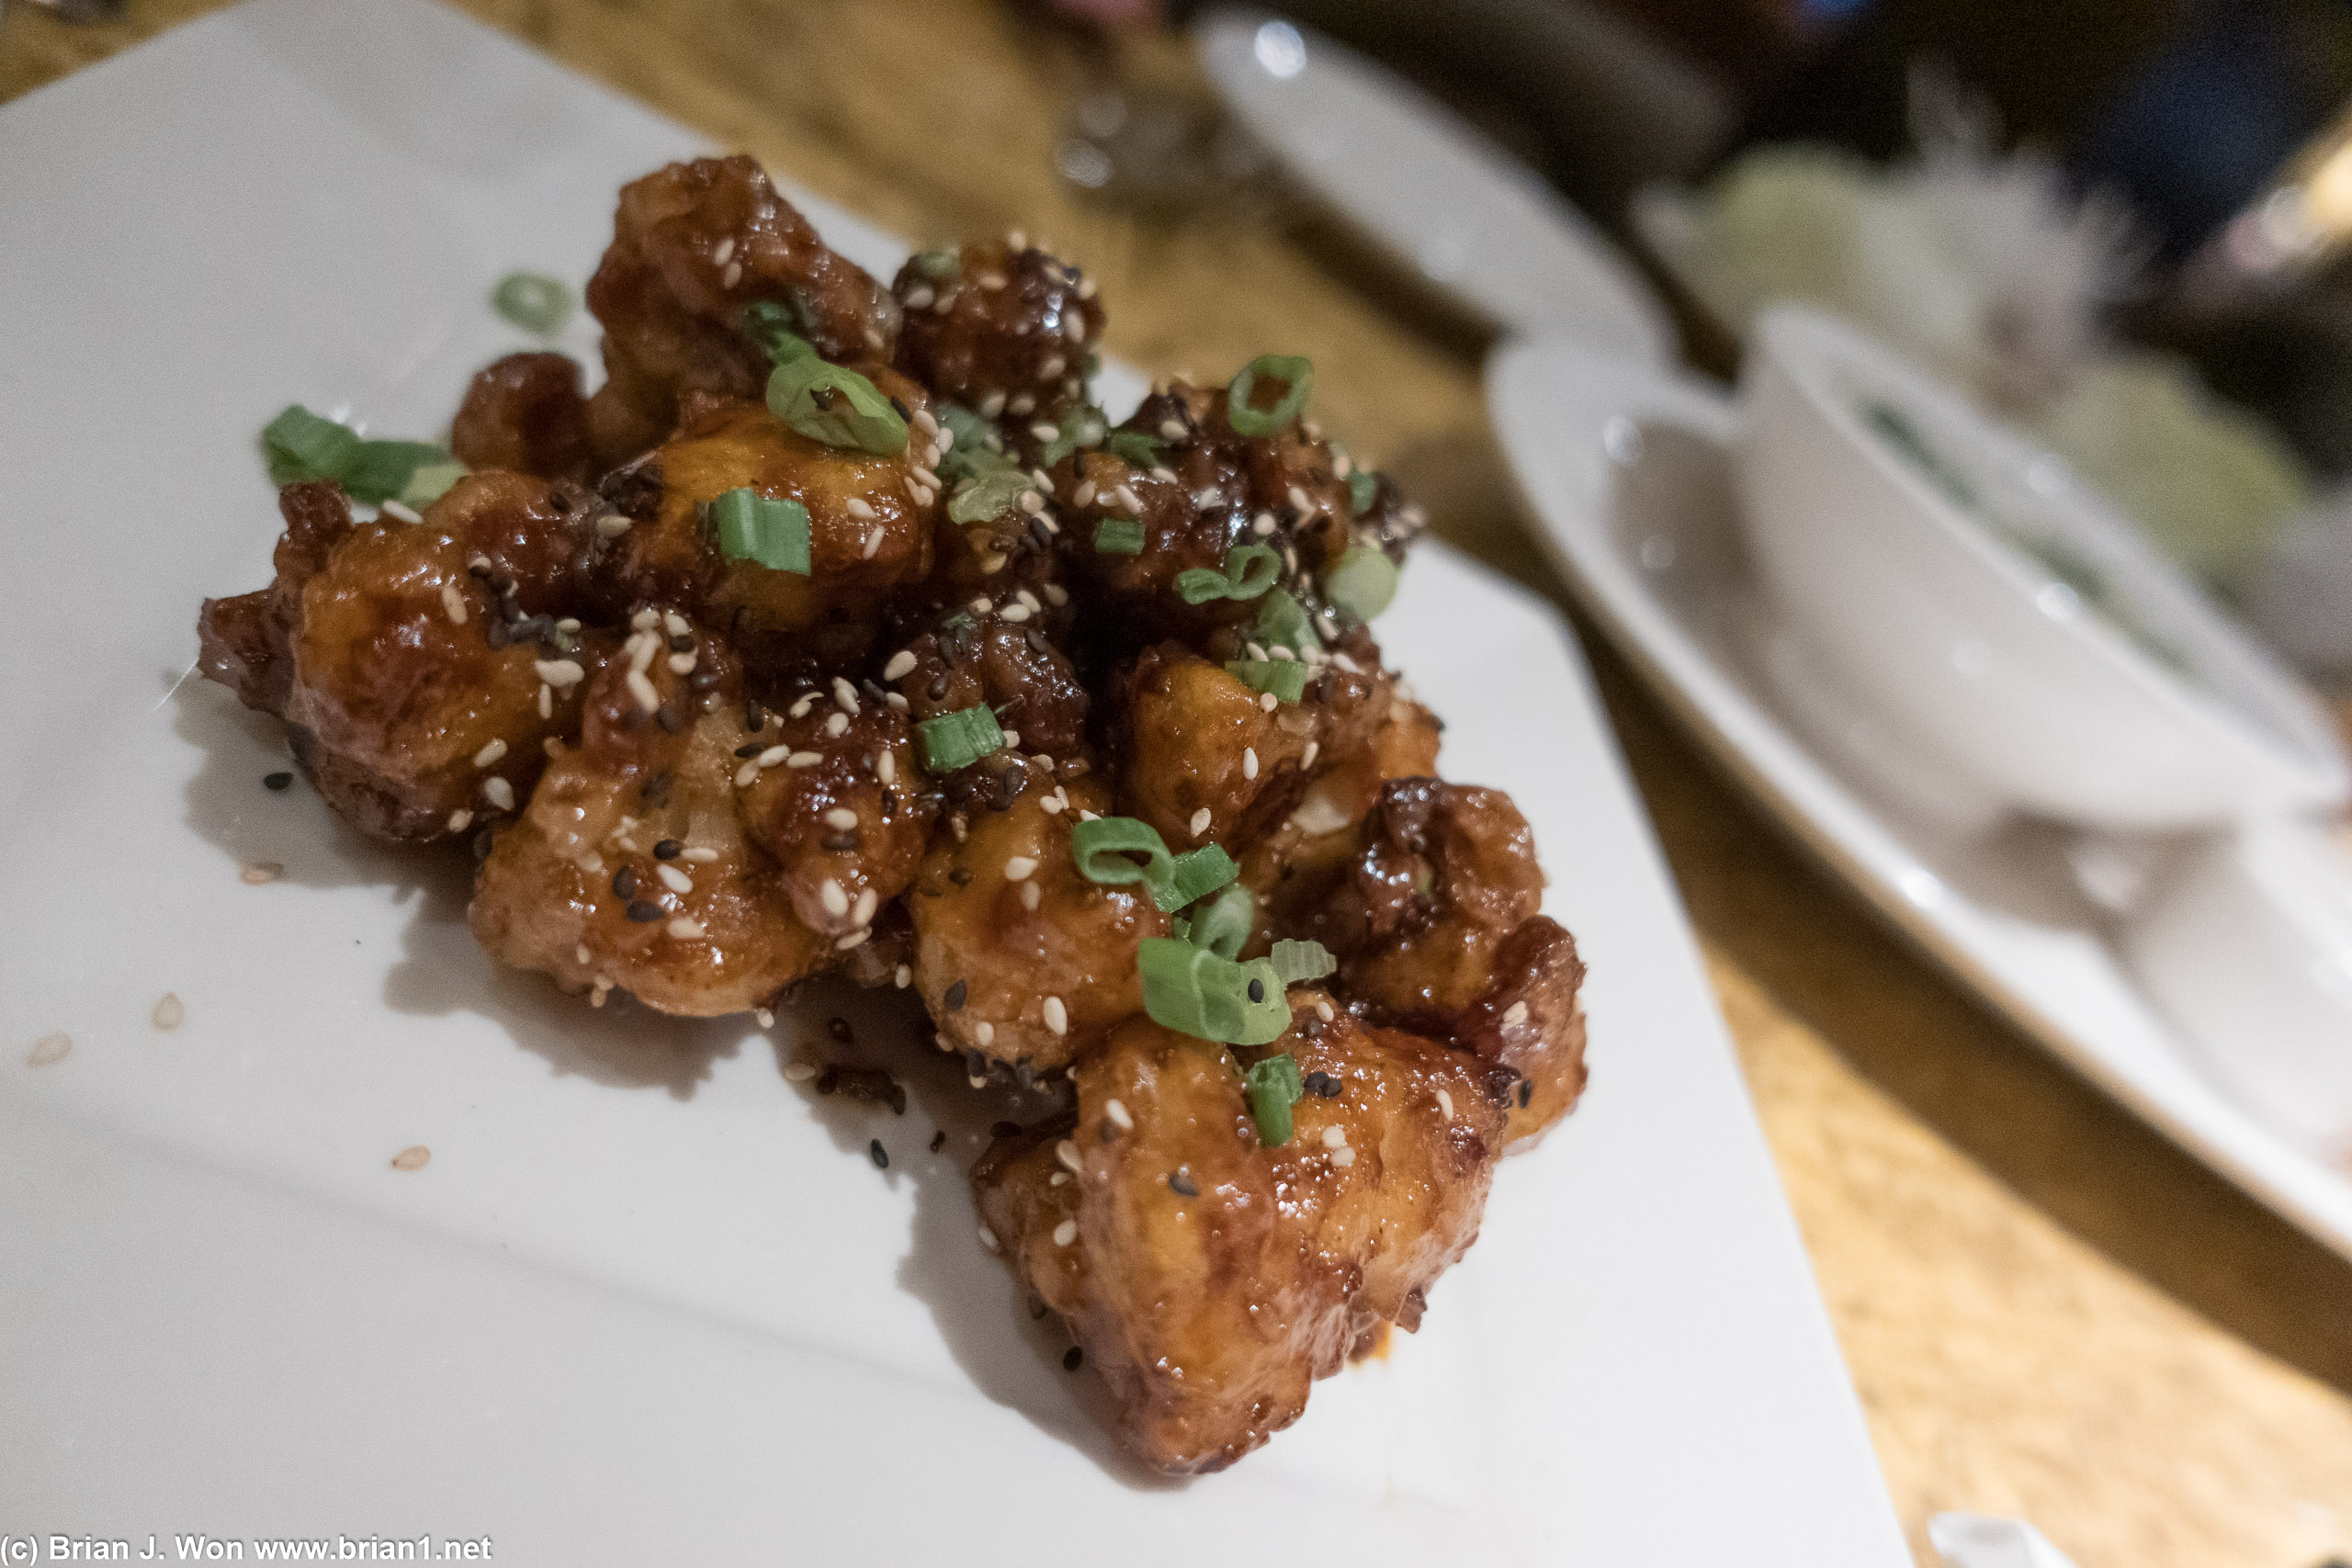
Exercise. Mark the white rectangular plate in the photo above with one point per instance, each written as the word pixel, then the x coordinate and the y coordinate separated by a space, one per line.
pixel 650 1302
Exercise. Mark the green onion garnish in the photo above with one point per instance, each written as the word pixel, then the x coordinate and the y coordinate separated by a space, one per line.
pixel 1282 623
pixel 772 325
pixel 1273 1086
pixel 990 493
pixel 1119 537
pixel 1222 923
pixel 1362 486
pixel 301 446
pixel 959 740
pixel 938 261
pixel 1193 991
pixel 1297 961
pixel 837 406
pixel 1194 876
pixel 1085 427
pixel 1250 571
pixel 533 301
pixel 1102 847
pixel 1297 377
pixel 1286 678
pixel 767 530
pixel 971 452
pixel 1361 581
pixel 1134 449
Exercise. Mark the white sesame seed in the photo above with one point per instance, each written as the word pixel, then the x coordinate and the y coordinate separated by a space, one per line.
pixel 800 709
pixel 49 1050
pixel 675 623
pixel 1084 495
pixel 681 664
pixel 1056 1015
pixel 1060 1178
pixel 582 954
pixel 1249 761
pixel 1065 1232
pixel 454 602
pixel 1051 369
pixel 904 978
pixel 1067 1151
pixel 873 546
pixel 1343 1157
pixel 641 650
pixel 990 280
pixel 836 724
pixel 982 607
pixel 1016 613
pixel 645 620
pixel 767 1019
pixel 841 817
pixel 1130 500
pixel 920 297
pixel 1335 1137
pixel 1166 475
pixel 859 510
pixel 732 276
pixel 804 758
pixel 1021 404
pixel 1085 291
pixel 1324 1009
pixel 901 663
pixel 1446 1103
pixel 611 525
pixel 1046 432
pixel 1031 895
pixel 1171 430
pixel 169 1012
pixel 801 1072
pixel 861 914
pixel 459 820
pixel 1057 595
pixel 1201 819
pixel 855 938
pixel 674 879
pixel 725 251
pixel 492 750
pixel 700 854
pixel 1032 503
pixel 992 405
pixel 836 901
pixel 1515 1015
pixel 1307 761
pixel 886 767
pixel 1018 868
pixel 985 1033
pixel 1266 702
pixel 642 690
pixel 547 710
pixel 845 695
pixel 772 757
pixel 1011 740
pixel 499 793
pixel 560 673
pixel 685 926
pixel 1298 500
pixel 988 1239
pixel 1118 1114
pixel 1051 804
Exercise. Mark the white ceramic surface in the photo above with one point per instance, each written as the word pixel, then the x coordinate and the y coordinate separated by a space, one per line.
pixel 648 1302
pixel 1991 667
pixel 1627 474
pixel 1437 196
pixel 2247 945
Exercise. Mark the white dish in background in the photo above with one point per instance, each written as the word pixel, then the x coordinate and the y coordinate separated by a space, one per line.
pixel 2022 644
pixel 2248 945
pixel 648 1302
pixel 1439 197
pixel 1626 472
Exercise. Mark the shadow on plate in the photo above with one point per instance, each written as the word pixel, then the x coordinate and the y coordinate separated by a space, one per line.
pixel 1011 1349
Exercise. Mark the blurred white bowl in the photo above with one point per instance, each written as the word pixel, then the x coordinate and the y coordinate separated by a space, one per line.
pixel 1955 581
pixel 2248 945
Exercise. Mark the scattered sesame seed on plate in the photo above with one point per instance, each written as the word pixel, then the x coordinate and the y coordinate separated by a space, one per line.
pixel 416 1157
pixel 261 870
pixel 49 1050
pixel 169 1012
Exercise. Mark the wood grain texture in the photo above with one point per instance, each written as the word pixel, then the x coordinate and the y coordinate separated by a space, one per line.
pixel 2047 1308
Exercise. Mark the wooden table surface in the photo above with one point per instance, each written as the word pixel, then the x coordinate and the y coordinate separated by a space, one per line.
pixel 2048 1309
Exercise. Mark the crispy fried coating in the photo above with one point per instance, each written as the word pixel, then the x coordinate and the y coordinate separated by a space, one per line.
pixel 997 329
pixel 694 246
pixel 524 414
pixel 1212 1279
pixel 1012 669
pixel 245 643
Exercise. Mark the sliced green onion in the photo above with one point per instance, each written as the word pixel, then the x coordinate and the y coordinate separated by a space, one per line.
pixel 301 446
pixel 1286 678
pixel 1193 991
pixel 1363 485
pixel 938 261
pixel 1183 928
pixel 1194 874
pixel 1134 449
pixel 1084 427
pixel 533 301
pixel 772 324
pixel 1119 537
pixel 959 740
pixel 1250 571
pixel 1297 961
pixel 837 406
pixel 772 532
pixel 977 449
pixel 1282 623
pixel 1297 377
pixel 1101 848
pixel 988 494
pixel 1361 581
pixel 1273 1086
pixel 1223 923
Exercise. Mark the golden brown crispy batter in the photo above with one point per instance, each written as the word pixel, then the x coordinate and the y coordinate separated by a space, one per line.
pixel 1011 668
pixel 584 886
pixel 1009 940
pixel 694 246
pixel 246 643
pixel 1211 1279
pixel 524 414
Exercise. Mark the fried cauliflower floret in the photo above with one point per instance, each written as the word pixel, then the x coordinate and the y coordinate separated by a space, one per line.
pixel 868 535
pixel 1011 668
pixel 694 244
pixel 632 867
pixel 1003 329
pixel 245 643
pixel 416 654
pixel 1211 1279
pixel 1436 929
pixel 1018 956
pixel 524 414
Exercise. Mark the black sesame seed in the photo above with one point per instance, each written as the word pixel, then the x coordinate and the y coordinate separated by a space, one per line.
pixel 668 848
pixel 682 643
pixel 878 1155
pixel 559 504
pixel 939 1140
pixel 1257 990
pixel 976 1065
pixel 644 913
pixel 1071 1362
pixel 624 882
pixel 276 780
pixel 1526 1093
pixel 1183 1185
pixel 904 411
pixel 839 1029
pixel 938 687
pixel 840 843
pixel 1323 1086
pixel 670 719
pixel 956 994
pixel 656 789
pixel 1036 1307
pixel 960 876
pixel 754 717
pixel 496 633
pixel 750 749
pixel 1003 1129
